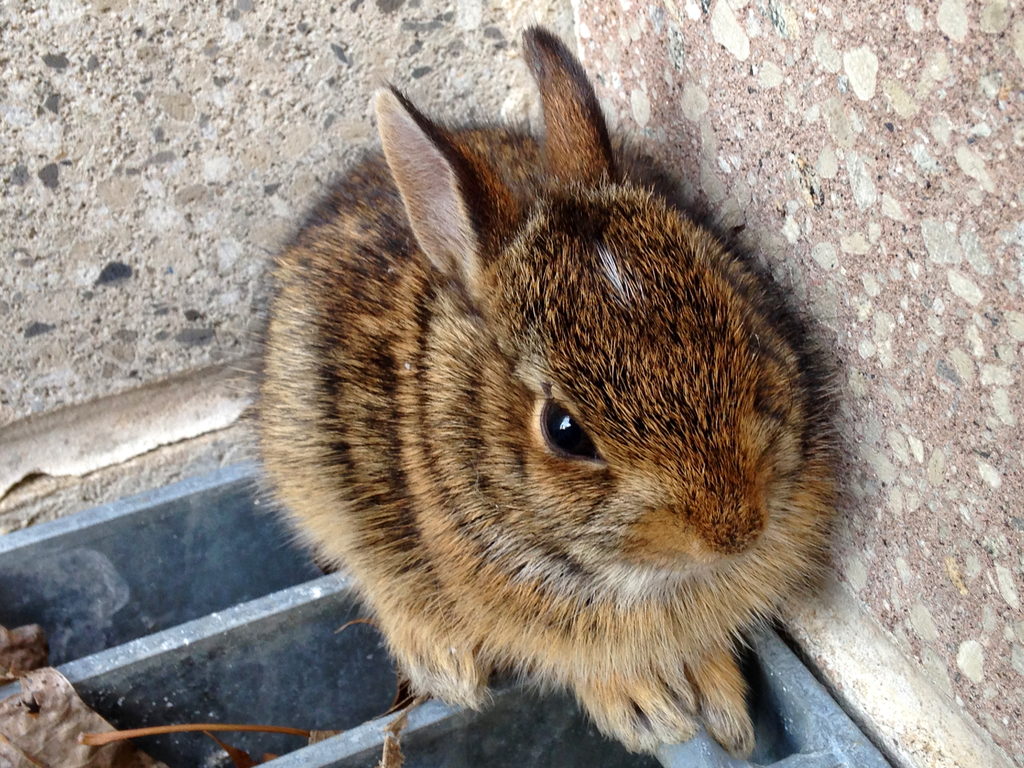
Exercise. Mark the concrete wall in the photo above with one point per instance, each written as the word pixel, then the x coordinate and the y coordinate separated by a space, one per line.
pixel 153 157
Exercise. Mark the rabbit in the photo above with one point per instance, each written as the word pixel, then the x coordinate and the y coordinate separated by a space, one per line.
pixel 549 423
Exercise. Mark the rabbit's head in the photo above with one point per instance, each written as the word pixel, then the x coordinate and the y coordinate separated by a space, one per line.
pixel 646 413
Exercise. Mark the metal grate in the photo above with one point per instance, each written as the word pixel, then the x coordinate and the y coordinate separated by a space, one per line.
pixel 188 604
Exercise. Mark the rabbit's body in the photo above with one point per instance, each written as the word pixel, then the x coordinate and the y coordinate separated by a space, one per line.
pixel 421 332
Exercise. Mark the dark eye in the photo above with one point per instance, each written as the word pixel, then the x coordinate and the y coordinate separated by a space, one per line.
pixel 564 434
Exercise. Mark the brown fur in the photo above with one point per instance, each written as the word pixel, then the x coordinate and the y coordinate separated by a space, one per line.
pixel 399 419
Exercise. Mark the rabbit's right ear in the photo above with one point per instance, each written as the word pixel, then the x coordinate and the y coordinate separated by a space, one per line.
pixel 576 142
pixel 453 200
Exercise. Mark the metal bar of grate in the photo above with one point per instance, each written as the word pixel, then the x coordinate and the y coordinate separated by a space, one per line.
pixel 188 604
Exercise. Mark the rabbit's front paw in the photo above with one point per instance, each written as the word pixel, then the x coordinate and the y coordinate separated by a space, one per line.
pixel 641 713
pixel 722 692
pixel 447 672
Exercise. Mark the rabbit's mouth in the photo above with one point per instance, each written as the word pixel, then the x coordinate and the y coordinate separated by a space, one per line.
pixel 693 543
pixel 650 575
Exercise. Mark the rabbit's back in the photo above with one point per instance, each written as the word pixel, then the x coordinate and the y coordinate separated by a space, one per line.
pixel 356 319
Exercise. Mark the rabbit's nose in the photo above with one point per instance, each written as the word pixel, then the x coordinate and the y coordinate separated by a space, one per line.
pixel 728 526
pixel 695 532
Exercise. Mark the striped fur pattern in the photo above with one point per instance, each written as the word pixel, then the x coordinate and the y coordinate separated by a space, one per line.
pixel 426 311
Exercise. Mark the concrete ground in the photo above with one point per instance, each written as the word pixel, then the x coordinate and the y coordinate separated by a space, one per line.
pixel 152 159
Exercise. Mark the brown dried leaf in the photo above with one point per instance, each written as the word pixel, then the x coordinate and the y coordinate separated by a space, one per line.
pixel 391 755
pixel 22 649
pixel 239 757
pixel 40 727
pixel 404 696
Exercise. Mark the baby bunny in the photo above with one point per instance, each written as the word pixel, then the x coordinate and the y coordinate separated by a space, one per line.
pixel 551 425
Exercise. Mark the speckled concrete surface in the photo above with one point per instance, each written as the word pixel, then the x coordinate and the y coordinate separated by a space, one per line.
pixel 873 155
pixel 153 156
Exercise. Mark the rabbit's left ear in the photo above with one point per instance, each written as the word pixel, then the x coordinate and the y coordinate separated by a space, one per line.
pixel 576 144
pixel 456 204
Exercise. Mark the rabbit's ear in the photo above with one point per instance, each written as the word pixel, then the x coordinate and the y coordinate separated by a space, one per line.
pixel 576 142
pixel 451 198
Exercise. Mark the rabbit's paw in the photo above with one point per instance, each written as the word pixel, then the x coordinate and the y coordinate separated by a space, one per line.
pixel 449 673
pixel 641 713
pixel 722 692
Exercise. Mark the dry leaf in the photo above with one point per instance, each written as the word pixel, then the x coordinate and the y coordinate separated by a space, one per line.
pixel 404 696
pixel 40 727
pixel 239 757
pixel 22 649
pixel 391 755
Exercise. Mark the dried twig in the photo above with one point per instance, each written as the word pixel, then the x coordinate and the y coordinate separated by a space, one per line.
pixel 99 739
pixel 363 620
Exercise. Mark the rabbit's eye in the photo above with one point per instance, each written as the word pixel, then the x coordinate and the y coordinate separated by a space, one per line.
pixel 564 434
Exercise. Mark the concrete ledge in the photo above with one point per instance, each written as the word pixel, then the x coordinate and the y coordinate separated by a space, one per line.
pixel 77 440
pixel 885 691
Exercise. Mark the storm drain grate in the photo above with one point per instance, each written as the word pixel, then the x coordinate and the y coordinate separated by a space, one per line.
pixel 189 604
